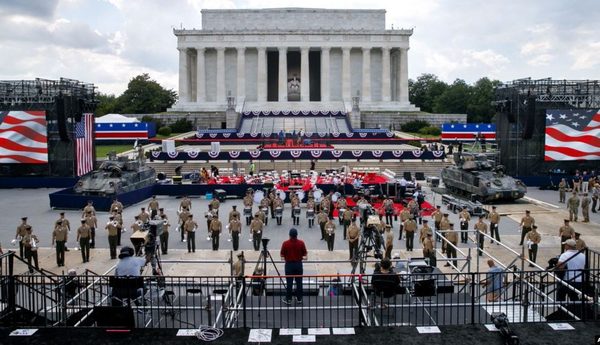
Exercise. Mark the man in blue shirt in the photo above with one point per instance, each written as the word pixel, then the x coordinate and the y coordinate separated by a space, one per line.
pixel 493 282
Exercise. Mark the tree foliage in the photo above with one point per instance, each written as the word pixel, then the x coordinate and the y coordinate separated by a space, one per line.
pixel 433 95
pixel 143 96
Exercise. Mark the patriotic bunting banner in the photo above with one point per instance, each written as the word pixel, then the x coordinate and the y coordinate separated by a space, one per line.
pixel 572 135
pixel 468 132
pixel 298 154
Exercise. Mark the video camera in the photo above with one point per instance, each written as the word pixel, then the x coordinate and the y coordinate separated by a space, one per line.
pixel 501 323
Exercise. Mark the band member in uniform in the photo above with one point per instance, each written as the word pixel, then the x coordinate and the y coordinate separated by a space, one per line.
pixel 116 205
pixel 185 203
pixel 410 226
pixel 425 229
pixel 21 231
pixel 566 232
pixel 452 237
pixel 437 219
pixel 342 206
pixel 183 217
pixel 214 206
pixel 265 204
pixel 233 213
pixel 65 222
pixel 562 191
pixel 119 219
pixel 428 251
pixel 278 206
pixel 153 207
pixel 322 219
pixel 404 216
pixel 235 228
pixel 494 218
pixel 388 208
pixel 533 239
pixel 59 237
pixel 164 237
pixel 444 225
pixel 30 242
pixel 573 206
pixel 83 237
pixel 190 228
pixel 330 233
pixel 353 235
pixel 248 202
pixel 465 217
pixel 481 228
pixel 526 223
pixel 92 222
pixel 215 232
pixel 256 228
pixel 144 216
pixel 112 229
pixel 89 208
pixel 272 198
pixel 347 218
pixel 295 203
pixel 389 241
pixel 310 212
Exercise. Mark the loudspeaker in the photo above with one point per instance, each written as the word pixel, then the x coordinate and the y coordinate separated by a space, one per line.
pixel 529 118
pixel 61 119
pixel 114 317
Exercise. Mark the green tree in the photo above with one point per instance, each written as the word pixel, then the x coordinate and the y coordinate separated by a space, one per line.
pixel 425 90
pixel 454 99
pixel 144 95
pixel 479 108
pixel 106 104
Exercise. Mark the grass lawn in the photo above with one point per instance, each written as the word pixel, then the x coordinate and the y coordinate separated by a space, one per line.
pixel 424 136
pixel 103 150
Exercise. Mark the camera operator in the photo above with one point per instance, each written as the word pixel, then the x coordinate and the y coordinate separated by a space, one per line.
pixel 129 265
pixel 150 250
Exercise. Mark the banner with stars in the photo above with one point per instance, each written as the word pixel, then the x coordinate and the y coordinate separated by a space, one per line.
pixel 468 132
pixel 572 135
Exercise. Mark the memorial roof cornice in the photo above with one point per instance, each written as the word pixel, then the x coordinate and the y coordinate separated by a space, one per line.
pixel 198 32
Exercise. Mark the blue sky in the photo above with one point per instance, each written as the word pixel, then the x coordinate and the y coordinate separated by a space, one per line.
pixel 107 42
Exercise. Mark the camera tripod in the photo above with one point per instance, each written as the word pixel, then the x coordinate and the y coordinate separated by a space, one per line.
pixel 367 242
pixel 262 260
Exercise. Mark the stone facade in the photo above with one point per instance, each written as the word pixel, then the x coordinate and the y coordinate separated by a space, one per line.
pixel 236 51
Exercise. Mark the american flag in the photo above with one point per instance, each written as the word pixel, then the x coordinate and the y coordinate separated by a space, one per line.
pixel 23 137
pixel 84 143
pixel 572 135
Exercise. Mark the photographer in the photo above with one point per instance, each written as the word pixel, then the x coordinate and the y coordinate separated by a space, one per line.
pixel 150 250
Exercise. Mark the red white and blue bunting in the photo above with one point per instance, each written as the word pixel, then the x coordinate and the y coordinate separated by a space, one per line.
pixel 298 154
pixel 294 113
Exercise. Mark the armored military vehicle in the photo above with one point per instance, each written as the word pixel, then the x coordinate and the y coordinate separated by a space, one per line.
pixel 116 176
pixel 477 177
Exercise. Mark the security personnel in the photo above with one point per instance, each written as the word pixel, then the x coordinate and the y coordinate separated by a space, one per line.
pixel 573 206
pixel 425 229
pixel 322 219
pixel 144 216
pixel 347 219
pixel 215 232
pixel 481 228
pixel 65 222
pixel 533 239
pixel 494 218
pixel 183 217
pixel 83 237
pixel 112 229
pixel 428 251
pixel 444 225
pixel 410 226
pixel 566 232
pixel 585 207
pixel 185 203
pixel 562 191
pixel 235 228
pixel 248 203
pixel 153 207
pixel 465 217
pixel 452 237
pixel 353 235
pixel 116 206
pixel 526 223
pixel 389 241
pixel 190 228
pixel 214 206
pixel 164 237
pixel 92 223
pixel 330 233
pixel 89 208
pixel 21 231
pixel 404 216
pixel 256 228
pixel 59 237
pixel 233 213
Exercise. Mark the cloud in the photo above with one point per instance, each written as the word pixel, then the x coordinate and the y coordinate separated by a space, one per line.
pixel 33 8
pixel 586 56
pixel 534 48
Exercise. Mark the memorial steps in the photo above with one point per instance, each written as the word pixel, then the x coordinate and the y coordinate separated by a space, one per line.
pixel 310 124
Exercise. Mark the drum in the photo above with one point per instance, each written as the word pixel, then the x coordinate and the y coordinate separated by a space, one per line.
pixel 318 194
pixel 300 194
pixel 335 197
pixel 296 211
pixel 258 196
pixel 310 214
pixel 248 212
pixel 278 211
pixel 281 194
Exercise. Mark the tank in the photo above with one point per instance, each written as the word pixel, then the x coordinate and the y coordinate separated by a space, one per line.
pixel 477 177
pixel 116 176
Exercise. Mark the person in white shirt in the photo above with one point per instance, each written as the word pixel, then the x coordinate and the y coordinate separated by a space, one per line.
pixel 573 263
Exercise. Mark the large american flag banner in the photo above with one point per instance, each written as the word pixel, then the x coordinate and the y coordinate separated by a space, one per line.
pixel 23 137
pixel 468 132
pixel 572 135
pixel 84 136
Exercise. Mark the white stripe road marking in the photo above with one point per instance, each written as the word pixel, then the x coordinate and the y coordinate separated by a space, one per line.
pixel 540 202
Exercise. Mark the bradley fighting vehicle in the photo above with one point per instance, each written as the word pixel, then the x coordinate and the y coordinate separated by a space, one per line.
pixel 475 176
pixel 116 176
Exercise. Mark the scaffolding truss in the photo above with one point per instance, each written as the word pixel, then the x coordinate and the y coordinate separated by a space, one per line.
pixel 22 92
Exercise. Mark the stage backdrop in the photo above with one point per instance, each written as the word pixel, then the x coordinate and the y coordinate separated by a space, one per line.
pixel 572 135
pixel 23 138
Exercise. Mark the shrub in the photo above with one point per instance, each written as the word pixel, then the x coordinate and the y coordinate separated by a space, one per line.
pixel 430 130
pixel 164 131
pixel 182 126
pixel 414 126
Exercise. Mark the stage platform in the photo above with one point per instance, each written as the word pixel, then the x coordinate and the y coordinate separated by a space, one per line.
pixel 531 334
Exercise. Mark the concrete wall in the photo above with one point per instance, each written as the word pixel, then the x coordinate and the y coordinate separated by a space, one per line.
pixel 251 74
pixel 280 19
pixel 386 120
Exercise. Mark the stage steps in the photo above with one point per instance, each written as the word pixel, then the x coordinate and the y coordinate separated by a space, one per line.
pixel 514 313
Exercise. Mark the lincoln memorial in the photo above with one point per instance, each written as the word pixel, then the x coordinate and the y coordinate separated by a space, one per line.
pixel 293 59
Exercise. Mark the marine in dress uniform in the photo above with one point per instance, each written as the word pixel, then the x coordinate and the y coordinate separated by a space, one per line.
pixel 190 228
pixel 465 217
pixel 83 237
pixel 330 233
pixel 59 238
pixel 353 236
pixel 410 226
pixel 235 228
pixel 164 237
pixel 494 218
pixel 526 223
pixel 566 232
pixel 256 228
pixel 21 231
pixel 215 232
pixel 452 237
pixel 533 239
pixel 481 228
pixel 112 229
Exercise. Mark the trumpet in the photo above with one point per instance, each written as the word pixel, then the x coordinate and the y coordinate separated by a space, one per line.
pixel 165 222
